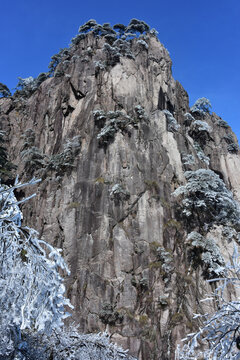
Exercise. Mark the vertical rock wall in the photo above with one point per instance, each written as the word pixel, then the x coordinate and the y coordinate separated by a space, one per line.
pixel 105 195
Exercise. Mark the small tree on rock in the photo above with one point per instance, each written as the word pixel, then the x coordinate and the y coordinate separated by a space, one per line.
pixel 4 90
pixel 202 106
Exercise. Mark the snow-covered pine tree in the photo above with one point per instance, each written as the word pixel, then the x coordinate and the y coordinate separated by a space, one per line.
pixel 206 202
pixel 31 288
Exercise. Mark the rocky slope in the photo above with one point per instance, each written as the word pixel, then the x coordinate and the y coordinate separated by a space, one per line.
pixel 110 158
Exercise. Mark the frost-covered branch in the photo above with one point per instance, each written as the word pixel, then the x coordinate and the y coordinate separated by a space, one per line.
pixel 219 336
pixel 31 288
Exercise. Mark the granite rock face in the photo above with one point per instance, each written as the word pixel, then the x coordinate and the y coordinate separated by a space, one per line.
pixel 110 157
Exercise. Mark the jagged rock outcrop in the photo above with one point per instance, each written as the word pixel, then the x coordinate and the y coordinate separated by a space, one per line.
pixel 110 138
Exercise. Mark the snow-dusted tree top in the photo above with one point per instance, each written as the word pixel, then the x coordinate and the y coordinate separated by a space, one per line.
pixel 206 194
pixel 201 106
pixel 199 125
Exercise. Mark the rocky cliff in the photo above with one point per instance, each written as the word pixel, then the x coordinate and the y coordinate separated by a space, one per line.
pixel 111 135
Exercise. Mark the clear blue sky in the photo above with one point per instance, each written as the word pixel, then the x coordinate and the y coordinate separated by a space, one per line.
pixel 203 38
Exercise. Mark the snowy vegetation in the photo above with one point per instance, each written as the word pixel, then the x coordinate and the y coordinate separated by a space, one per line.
pixel 167 266
pixel 199 125
pixel 115 121
pixel 6 166
pixel 188 119
pixel 232 146
pixel 143 43
pixel 109 315
pixel 56 59
pixel 117 38
pixel 201 107
pixel 205 252
pixel 69 344
pixel 4 90
pixel 141 114
pixel 111 122
pixel 118 193
pixel 223 123
pixel 200 131
pixel 218 337
pixel 26 87
pixel 134 27
pixel 205 200
pixel 99 66
pixel 172 124
pixel 32 291
pixel 187 159
pixel 36 162
pixel 63 161
pixel 200 154
pixel 33 160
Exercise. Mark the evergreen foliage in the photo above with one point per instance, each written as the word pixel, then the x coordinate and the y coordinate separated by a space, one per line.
pixel 200 131
pixel 99 66
pixel 33 160
pixel 172 124
pixel 4 90
pixel 143 43
pixel 233 148
pixel 205 199
pixel 199 126
pixel 69 344
pixel 120 28
pixel 113 54
pixel 141 114
pixel 89 25
pixel 32 291
pixel 118 193
pixel 205 252
pixel 218 336
pixel 63 161
pixel 56 59
pixel 188 119
pixel 136 25
pixel 223 124
pixel 167 265
pixel 228 138
pixel 110 123
pixel 187 159
pixel 26 87
pixel 202 106
pixel 200 154
pixel 6 166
